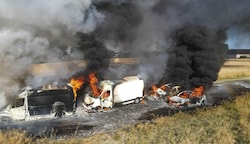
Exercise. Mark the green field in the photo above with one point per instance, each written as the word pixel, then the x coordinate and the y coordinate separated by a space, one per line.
pixel 228 123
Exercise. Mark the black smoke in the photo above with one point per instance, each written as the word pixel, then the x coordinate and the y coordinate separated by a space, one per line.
pixel 192 52
pixel 190 35
pixel 96 55
pixel 196 57
pixel 121 22
pixel 119 26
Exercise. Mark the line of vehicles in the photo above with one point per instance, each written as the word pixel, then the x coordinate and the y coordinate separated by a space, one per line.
pixel 33 104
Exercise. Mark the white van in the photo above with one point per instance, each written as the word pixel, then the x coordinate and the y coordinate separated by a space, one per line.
pixel 125 91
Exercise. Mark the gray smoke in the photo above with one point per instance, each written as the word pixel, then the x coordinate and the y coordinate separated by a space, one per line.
pixel 155 31
pixel 39 32
pixel 230 14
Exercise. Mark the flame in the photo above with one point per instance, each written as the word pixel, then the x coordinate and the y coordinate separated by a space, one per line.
pixel 184 95
pixel 154 89
pixel 197 92
pixel 164 87
pixel 76 84
pixel 105 95
pixel 93 81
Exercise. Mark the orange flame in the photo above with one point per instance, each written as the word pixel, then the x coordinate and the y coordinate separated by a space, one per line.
pixel 76 85
pixel 197 92
pixel 164 87
pixel 184 95
pixel 93 81
pixel 105 95
pixel 154 89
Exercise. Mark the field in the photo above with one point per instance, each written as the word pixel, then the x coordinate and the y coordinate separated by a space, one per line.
pixel 227 123
pixel 235 68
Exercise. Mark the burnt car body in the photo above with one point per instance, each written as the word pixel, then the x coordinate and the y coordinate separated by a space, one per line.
pixel 41 101
pixel 32 104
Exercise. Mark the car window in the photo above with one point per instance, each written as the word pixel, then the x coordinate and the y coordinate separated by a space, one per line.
pixel 18 103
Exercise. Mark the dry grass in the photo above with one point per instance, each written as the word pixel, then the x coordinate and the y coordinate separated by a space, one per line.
pixel 14 137
pixel 235 68
pixel 228 123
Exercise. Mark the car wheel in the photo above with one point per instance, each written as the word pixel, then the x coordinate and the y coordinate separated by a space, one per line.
pixel 59 109
pixel 5 120
pixel 202 103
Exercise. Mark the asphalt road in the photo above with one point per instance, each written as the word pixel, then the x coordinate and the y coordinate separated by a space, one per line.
pixel 86 124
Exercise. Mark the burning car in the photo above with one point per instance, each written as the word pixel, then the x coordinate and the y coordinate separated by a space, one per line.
pixel 126 91
pixel 188 98
pixel 174 96
pixel 165 90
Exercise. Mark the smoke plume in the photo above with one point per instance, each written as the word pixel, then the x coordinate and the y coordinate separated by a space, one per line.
pixel 34 32
pixel 177 41
pixel 190 35
pixel 196 57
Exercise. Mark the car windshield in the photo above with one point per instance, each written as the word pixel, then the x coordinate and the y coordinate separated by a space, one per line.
pixel 18 103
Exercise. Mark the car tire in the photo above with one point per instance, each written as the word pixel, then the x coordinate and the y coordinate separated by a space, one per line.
pixel 6 120
pixel 202 103
pixel 59 109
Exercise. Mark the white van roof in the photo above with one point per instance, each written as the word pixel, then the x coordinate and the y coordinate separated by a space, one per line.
pixel 130 78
